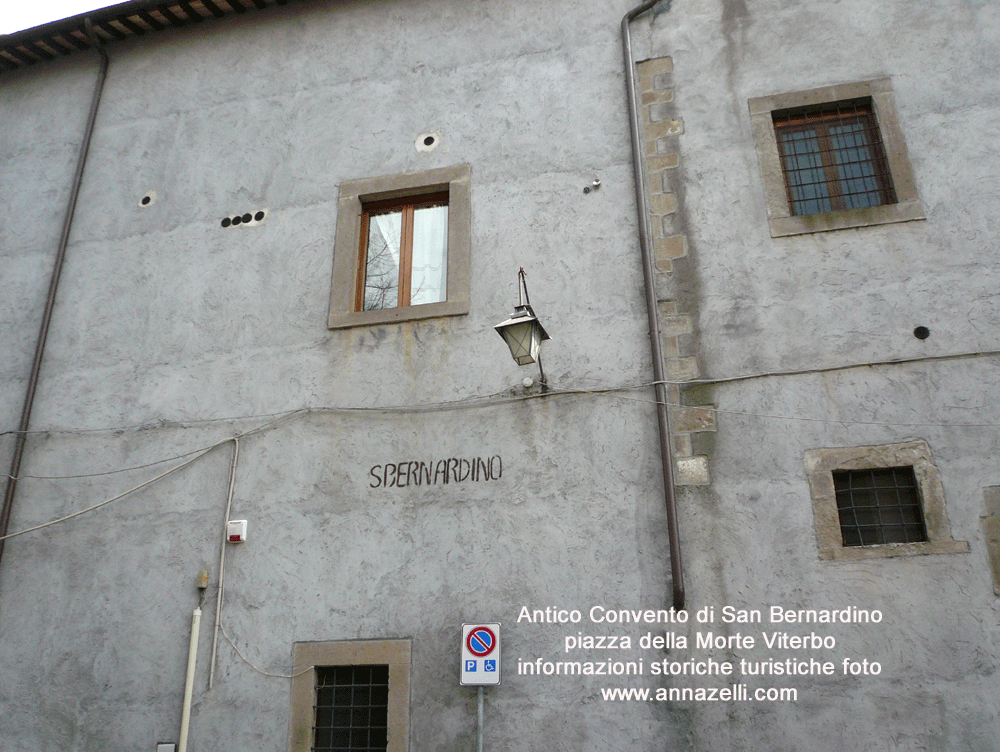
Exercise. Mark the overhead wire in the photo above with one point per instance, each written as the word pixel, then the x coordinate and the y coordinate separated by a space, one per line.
pixel 198 454
pixel 488 400
pixel 468 403
pixel 492 400
pixel 254 667
pixel 845 367
pixel 113 498
pixel 110 472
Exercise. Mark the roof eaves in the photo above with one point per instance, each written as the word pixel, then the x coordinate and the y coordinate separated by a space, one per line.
pixel 118 22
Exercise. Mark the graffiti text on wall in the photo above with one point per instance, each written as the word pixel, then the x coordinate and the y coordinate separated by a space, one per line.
pixel 436 472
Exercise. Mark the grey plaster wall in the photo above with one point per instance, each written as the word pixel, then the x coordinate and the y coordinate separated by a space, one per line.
pixel 172 334
pixel 855 294
pixel 825 302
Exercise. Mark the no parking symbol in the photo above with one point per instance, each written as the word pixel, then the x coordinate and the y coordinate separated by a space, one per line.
pixel 480 654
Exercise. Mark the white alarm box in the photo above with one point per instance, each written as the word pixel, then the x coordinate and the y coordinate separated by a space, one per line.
pixel 236 531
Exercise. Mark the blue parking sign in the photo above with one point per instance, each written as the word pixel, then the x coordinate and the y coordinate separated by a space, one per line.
pixel 471 665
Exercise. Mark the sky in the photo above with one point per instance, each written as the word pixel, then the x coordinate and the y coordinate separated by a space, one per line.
pixel 17 14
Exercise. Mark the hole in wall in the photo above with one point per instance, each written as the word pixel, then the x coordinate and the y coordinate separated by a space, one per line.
pixel 147 198
pixel 244 219
pixel 921 332
pixel 427 141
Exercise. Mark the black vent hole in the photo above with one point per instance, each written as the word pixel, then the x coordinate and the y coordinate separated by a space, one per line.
pixel 244 219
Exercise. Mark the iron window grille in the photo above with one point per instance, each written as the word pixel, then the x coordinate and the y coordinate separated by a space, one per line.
pixel 879 506
pixel 833 158
pixel 351 710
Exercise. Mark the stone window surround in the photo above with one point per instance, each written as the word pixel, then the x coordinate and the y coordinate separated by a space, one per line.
pixel 908 205
pixel 394 653
pixel 916 453
pixel 990 522
pixel 347 244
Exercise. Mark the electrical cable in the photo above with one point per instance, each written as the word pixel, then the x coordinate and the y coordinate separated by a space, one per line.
pixel 259 670
pixel 251 432
pixel 615 391
pixel 831 369
pixel 162 423
pixel 222 561
pixel 111 472
pixel 482 401
pixel 845 421
pixel 201 453
pixel 850 421
pixel 113 498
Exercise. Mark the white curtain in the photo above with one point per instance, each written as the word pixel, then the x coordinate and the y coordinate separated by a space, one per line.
pixel 428 283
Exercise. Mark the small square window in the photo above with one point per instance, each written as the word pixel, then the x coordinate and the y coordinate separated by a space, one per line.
pixel 352 708
pixel 403 258
pixel 878 506
pixel 833 158
pixel 355 697
pixel 403 248
pixel 878 501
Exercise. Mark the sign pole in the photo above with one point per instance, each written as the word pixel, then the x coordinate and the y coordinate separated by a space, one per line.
pixel 479 735
pixel 480 664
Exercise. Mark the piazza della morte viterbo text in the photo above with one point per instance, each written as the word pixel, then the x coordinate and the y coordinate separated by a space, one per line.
pixel 708 654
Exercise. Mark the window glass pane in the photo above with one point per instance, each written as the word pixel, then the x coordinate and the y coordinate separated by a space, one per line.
pixel 382 263
pixel 345 696
pixel 891 516
pixel 803 165
pixel 832 160
pixel 379 738
pixel 855 165
pixel 428 281
pixel 879 506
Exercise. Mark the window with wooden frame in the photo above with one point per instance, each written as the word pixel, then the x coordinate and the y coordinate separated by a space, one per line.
pixel 832 158
pixel 403 248
pixel 403 258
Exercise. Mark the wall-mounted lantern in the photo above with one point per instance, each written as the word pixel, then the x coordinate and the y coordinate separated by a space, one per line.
pixel 522 331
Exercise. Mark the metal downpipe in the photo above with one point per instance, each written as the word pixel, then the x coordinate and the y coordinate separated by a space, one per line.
pixel 659 375
pixel 36 365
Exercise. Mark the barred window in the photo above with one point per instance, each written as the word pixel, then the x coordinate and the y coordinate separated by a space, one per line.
pixel 879 501
pixel 833 158
pixel 351 695
pixel 352 704
pixel 879 506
